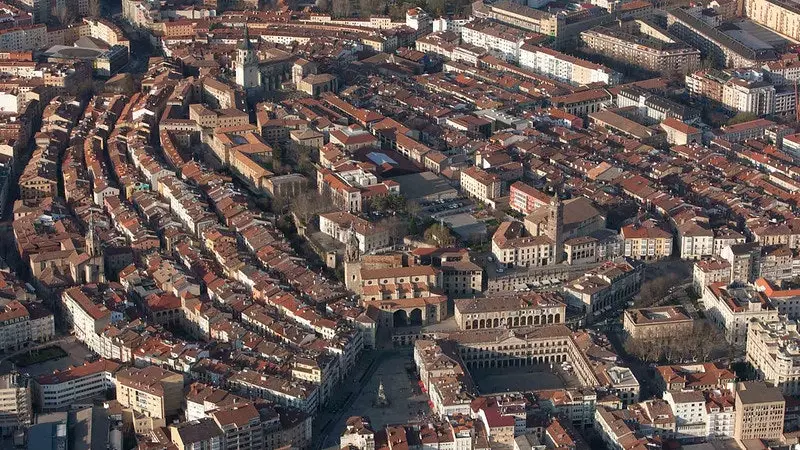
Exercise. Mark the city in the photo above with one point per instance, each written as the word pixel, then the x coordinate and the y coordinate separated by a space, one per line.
pixel 399 225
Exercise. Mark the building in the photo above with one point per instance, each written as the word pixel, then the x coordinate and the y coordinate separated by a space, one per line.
pixel 510 310
pixel 773 348
pixel 64 388
pixel 358 434
pixel 713 42
pixel 16 406
pixel 152 392
pixel 695 241
pixel 744 260
pixel 603 289
pixel 732 308
pixel 344 227
pixel 698 377
pixel 781 17
pixel 787 301
pixel 759 412
pixel 513 247
pixel 680 133
pixel 198 434
pixel 646 241
pixel 525 199
pixel 565 68
pixel 708 271
pixel 657 322
pixel 22 325
pixel 479 184
pixel 664 57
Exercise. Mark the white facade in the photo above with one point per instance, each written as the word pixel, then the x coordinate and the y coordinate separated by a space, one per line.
pixel 732 309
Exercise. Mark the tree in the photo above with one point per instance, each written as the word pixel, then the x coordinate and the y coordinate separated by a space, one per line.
pixel 341 8
pixel 94 8
pixel 742 117
pixel 397 228
pixel 323 5
pixel 310 203
pixel 439 235
pixel 64 15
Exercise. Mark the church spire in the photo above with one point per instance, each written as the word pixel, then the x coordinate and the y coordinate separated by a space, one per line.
pixel 245 44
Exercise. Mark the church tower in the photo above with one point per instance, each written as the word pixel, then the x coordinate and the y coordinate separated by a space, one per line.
pixel 246 64
pixel 95 268
pixel 555 227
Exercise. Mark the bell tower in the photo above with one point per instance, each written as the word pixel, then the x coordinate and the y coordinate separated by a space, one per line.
pixel 246 63
pixel 555 227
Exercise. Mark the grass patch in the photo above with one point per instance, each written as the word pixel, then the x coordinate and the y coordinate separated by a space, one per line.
pixel 39 356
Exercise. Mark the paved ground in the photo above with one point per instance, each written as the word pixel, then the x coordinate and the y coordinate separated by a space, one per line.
pixel 405 397
pixel 512 379
pixel 76 356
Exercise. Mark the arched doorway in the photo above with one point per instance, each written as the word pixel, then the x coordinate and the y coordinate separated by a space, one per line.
pixel 415 318
pixel 558 318
pixel 400 318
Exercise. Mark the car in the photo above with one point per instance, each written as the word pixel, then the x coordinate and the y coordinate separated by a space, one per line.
pixel 490 258
pixel 499 270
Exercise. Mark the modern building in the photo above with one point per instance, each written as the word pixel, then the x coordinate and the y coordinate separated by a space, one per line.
pixel 642 51
pixel 64 388
pixel 773 348
pixel 565 68
pixel 153 392
pixel 760 411
pixel 16 406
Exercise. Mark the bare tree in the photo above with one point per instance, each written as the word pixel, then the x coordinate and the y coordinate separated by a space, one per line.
pixel 397 228
pixel 341 8
pixel 323 5
pixel 65 15
pixel 94 8
pixel 439 235
pixel 310 203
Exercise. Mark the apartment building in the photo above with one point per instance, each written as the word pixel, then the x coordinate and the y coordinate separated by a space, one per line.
pixel 780 16
pixel 713 42
pixel 646 241
pixel 86 317
pixel 500 40
pixel 642 51
pixel 787 301
pixel 773 348
pixel 24 324
pixel 695 241
pixel 199 434
pixel 16 406
pixel 510 311
pixel 153 392
pixel 565 68
pixel 524 198
pixel 708 271
pixel 479 184
pixel 61 389
pixel 760 411
pixel 732 308
pixel 757 97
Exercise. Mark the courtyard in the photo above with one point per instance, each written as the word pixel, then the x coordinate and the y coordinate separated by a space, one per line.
pixel 497 380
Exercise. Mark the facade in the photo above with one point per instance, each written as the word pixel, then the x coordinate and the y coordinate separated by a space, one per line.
pixel 641 51
pixel 759 412
pixel 565 68
pixel 22 325
pixel 708 271
pixel 605 288
pixel 64 388
pixel 646 241
pixel 480 184
pixel 152 391
pixel 525 199
pixel 651 323
pixel 510 311
pixel 16 407
pixel 343 226
pixel 773 348
pixel 732 309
